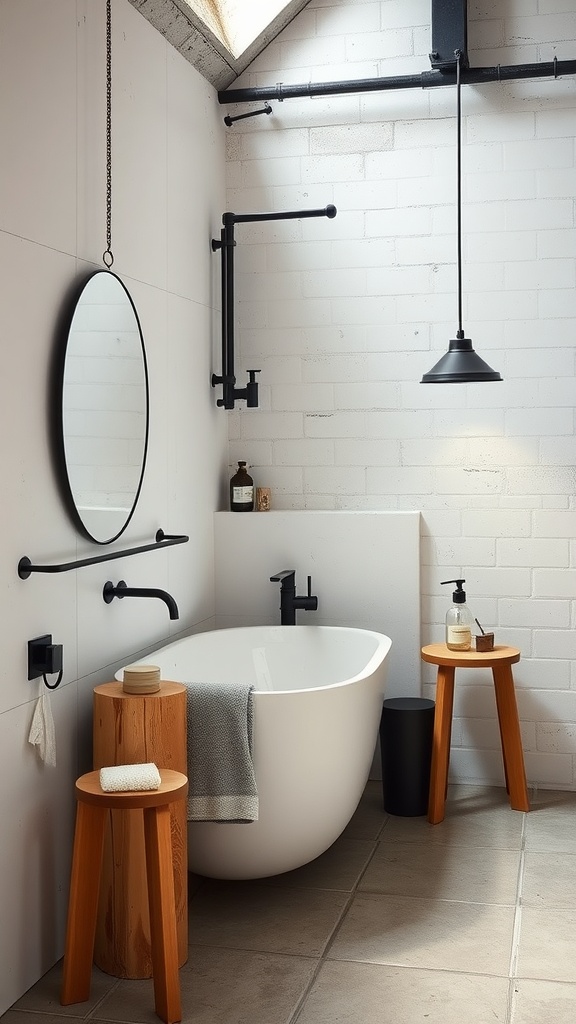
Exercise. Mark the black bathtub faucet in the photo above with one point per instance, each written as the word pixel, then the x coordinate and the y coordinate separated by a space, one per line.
pixel 289 600
pixel 122 590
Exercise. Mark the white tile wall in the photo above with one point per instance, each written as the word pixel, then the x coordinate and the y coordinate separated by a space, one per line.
pixel 166 205
pixel 490 466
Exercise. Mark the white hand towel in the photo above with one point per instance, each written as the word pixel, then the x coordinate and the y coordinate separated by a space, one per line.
pixel 125 777
pixel 42 734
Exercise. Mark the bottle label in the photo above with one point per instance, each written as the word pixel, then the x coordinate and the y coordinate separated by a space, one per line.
pixel 242 495
pixel 459 638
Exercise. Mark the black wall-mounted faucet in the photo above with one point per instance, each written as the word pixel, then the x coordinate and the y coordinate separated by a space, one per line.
pixel 226 244
pixel 122 590
pixel 289 600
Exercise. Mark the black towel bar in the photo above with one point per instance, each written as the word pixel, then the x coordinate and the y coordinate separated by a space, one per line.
pixel 163 540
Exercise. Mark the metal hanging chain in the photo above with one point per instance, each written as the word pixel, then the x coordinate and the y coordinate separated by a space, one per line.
pixel 458 55
pixel 107 256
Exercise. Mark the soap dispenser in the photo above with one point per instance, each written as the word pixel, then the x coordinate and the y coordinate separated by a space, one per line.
pixel 458 620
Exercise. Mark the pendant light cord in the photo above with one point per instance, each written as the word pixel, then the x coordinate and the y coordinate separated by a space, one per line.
pixel 107 256
pixel 458 55
pixel 460 365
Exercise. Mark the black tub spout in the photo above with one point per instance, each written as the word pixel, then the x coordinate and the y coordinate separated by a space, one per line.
pixel 122 590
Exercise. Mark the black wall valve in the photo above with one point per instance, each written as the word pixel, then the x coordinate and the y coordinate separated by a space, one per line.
pixel 44 658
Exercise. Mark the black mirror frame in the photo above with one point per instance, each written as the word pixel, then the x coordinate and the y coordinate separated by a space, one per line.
pixel 55 404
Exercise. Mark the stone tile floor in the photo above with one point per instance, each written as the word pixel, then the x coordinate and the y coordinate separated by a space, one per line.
pixel 467 922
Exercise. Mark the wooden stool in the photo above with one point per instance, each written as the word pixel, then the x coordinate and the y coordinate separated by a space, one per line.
pixel 500 660
pixel 133 728
pixel 93 808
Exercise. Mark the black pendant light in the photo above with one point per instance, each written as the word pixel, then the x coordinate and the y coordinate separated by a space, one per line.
pixel 460 364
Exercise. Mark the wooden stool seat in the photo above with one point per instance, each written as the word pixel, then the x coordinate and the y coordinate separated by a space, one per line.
pixel 500 660
pixel 93 807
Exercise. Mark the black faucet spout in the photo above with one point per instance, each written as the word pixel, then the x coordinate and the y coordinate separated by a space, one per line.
pixel 122 590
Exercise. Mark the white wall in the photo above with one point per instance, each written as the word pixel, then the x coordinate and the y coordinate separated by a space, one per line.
pixel 167 190
pixel 344 316
pixel 364 569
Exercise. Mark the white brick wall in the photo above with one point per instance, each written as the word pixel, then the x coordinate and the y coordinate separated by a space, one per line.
pixel 344 316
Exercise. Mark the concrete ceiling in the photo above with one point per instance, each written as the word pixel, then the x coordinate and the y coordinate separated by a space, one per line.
pixel 191 35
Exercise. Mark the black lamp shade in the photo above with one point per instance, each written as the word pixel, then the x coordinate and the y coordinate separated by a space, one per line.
pixel 460 365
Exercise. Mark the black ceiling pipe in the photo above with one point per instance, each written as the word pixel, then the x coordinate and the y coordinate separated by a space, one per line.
pixel 425 80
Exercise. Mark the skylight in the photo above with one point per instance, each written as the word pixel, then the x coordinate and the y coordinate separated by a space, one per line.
pixel 237 23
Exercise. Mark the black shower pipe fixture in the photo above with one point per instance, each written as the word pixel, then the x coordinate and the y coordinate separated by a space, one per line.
pixel 163 540
pixel 229 120
pixel 226 244
pixel 425 80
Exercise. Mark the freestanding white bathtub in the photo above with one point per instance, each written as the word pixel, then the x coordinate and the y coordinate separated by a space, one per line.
pixel 317 704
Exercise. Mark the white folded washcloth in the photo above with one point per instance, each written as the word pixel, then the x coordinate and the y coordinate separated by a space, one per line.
pixel 42 733
pixel 124 777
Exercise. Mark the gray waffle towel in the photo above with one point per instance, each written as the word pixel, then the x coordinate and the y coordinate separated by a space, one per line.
pixel 222 785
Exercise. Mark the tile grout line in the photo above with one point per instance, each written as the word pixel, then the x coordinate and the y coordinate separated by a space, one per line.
pixel 515 946
pixel 329 941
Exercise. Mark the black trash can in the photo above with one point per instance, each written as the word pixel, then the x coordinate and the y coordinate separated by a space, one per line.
pixel 406 730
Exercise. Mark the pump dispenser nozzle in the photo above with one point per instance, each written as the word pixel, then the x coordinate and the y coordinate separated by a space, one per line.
pixel 458 620
pixel 458 595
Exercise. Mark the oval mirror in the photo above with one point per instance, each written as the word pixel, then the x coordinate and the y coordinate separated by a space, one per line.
pixel 104 422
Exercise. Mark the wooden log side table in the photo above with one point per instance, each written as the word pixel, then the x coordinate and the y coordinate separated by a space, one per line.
pixel 133 728
pixel 93 809
pixel 500 660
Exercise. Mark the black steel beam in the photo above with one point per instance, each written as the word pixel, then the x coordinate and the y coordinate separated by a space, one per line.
pixel 449 34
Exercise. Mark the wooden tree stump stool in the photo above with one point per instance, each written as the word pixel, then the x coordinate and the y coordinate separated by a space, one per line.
pixel 136 729
pixel 93 809
pixel 500 660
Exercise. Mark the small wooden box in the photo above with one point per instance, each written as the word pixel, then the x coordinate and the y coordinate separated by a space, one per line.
pixel 485 642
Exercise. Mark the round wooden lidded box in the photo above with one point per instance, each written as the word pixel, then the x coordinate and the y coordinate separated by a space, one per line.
pixel 137 728
pixel 141 679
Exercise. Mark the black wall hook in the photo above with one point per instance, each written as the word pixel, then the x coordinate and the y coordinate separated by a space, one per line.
pixel 45 658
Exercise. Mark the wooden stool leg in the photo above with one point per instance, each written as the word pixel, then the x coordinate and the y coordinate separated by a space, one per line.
pixel 441 743
pixel 83 902
pixel 512 753
pixel 161 900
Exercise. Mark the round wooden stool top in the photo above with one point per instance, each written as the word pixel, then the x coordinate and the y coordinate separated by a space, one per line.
pixel 173 786
pixel 439 654
pixel 117 691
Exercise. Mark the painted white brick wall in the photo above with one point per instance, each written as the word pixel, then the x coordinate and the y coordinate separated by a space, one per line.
pixel 344 316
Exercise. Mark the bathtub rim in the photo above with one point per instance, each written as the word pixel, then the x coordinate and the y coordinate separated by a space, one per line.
pixel 379 655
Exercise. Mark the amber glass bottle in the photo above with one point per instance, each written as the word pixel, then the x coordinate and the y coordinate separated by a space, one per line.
pixel 241 490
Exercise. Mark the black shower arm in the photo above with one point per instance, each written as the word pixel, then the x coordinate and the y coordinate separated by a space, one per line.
pixel 226 243
pixel 228 120
pixel 246 218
